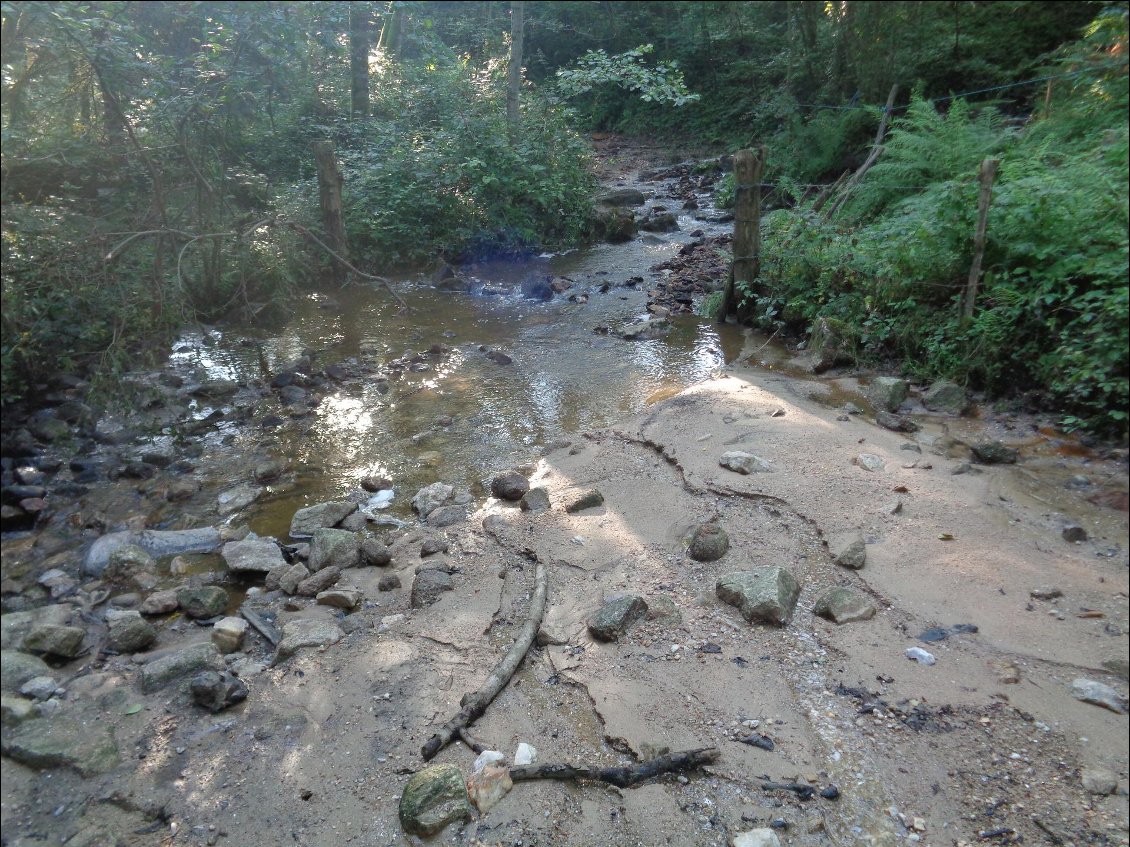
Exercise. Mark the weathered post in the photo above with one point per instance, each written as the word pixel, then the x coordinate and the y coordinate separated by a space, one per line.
pixel 330 181
pixel 749 165
pixel 986 174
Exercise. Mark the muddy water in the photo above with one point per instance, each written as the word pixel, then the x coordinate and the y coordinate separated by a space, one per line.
pixel 569 372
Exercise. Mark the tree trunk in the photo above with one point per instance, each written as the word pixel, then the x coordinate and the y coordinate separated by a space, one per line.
pixel 514 71
pixel 987 174
pixel 749 165
pixel 330 181
pixel 359 59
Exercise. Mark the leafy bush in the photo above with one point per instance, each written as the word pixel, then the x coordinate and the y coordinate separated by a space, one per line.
pixel 435 172
pixel 1052 309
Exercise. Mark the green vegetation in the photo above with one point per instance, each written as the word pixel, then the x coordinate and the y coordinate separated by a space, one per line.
pixel 1051 314
pixel 157 164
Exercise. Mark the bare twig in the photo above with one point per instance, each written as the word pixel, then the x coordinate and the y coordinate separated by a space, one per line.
pixel 876 152
pixel 475 704
pixel 383 280
pixel 471 741
pixel 622 777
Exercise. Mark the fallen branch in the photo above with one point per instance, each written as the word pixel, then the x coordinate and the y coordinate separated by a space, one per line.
pixel 471 741
pixel 384 281
pixel 621 777
pixel 474 705
pixel 261 625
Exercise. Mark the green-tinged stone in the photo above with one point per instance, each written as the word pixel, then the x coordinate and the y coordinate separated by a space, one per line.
pixel 432 799
pixel 766 595
pixel 616 617
pixel 206 602
pixel 709 543
pixel 62 742
pixel 842 605
pixel 163 670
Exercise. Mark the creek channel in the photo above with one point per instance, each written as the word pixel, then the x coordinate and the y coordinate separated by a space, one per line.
pixel 461 385
pixel 458 386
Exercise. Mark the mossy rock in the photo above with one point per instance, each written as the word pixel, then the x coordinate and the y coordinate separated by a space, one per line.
pixel 432 799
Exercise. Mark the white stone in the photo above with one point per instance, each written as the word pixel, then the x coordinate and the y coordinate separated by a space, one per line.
pixel 488 757
pixel 921 656
pixel 525 754
pixel 869 462
pixel 763 837
pixel 227 633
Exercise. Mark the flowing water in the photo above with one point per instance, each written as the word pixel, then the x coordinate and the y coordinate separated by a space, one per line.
pixel 458 415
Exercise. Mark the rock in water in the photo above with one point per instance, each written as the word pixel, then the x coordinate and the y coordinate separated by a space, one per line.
pixel 765 595
pixel 252 555
pixel 994 453
pixel 616 617
pixel 433 798
pixel 622 197
pixel 217 691
pixel 708 543
pixel 430 498
pixel 895 423
pixel 321 516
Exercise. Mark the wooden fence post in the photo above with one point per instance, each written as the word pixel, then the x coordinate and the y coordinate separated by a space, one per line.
pixel 749 165
pixel 986 174
pixel 330 181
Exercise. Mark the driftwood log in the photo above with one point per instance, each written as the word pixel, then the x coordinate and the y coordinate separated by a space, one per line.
pixel 621 777
pixel 475 704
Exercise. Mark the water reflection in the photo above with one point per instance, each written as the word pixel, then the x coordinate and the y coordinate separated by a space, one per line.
pixel 466 416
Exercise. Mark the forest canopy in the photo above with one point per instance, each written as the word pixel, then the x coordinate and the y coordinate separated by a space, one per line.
pixel 157 163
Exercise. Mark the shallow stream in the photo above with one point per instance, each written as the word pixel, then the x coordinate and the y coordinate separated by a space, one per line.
pixel 455 413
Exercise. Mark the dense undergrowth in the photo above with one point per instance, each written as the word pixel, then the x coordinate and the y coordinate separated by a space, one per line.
pixel 179 201
pixel 891 266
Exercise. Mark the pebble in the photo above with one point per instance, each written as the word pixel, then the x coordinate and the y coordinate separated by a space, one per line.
pixel 921 656
pixel 526 754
